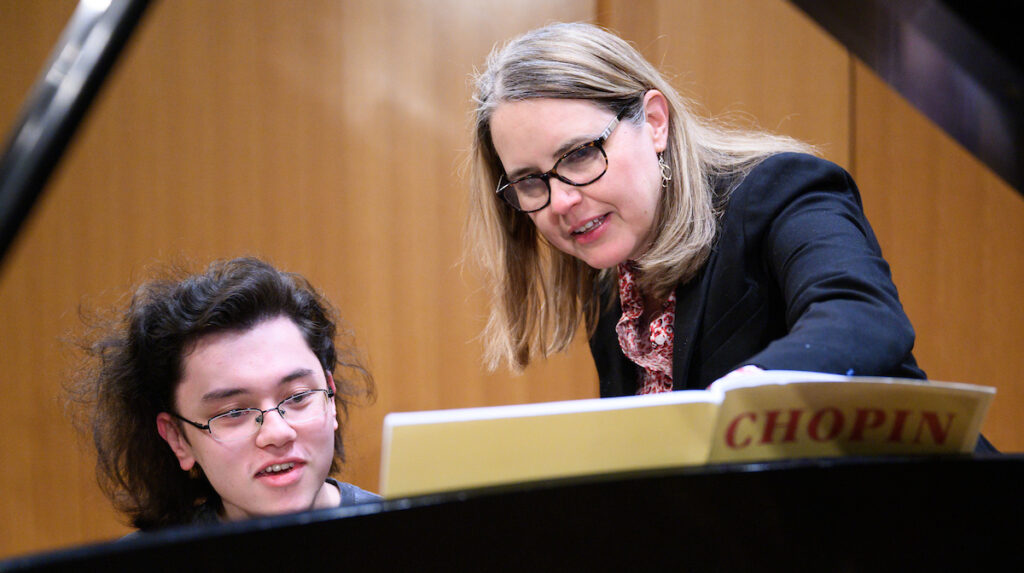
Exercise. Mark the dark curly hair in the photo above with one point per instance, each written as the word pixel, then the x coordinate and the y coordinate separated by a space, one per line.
pixel 136 361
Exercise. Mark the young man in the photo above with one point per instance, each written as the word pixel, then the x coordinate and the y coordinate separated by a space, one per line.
pixel 217 397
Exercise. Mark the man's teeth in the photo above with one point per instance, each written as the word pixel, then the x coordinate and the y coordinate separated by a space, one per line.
pixel 276 468
pixel 593 223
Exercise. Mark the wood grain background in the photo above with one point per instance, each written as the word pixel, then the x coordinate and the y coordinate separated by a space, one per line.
pixel 330 138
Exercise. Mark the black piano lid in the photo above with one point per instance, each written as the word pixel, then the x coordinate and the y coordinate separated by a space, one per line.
pixel 79 63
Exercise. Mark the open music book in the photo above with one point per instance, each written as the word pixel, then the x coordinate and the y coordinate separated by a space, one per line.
pixel 764 415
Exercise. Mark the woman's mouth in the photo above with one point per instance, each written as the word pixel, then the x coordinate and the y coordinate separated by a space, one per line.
pixel 589 226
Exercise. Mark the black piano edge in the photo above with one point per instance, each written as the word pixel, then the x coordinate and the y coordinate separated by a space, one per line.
pixel 915 501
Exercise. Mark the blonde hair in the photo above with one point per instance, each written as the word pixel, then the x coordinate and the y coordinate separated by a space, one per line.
pixel 539 295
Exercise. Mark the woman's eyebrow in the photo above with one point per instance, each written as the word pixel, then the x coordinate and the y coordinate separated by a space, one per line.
pixel 555 156
pixel 569 145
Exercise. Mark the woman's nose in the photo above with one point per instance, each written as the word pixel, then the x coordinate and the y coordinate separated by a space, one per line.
pixel 563 196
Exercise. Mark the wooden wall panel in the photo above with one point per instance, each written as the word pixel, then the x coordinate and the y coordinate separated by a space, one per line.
pixel 762 63
pixel 326 136
pixel 952 232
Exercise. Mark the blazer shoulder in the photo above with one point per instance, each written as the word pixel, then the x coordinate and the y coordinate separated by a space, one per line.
pixel 779 179
pixel 794 171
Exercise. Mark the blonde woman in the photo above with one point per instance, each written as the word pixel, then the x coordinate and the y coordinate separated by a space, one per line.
pixel 686 249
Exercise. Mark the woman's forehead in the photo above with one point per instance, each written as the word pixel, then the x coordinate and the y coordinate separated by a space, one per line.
pixel 526 131
pixel 552 112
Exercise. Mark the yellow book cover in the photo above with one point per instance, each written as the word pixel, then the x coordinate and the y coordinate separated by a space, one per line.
pixel 458 449
pixel 774 415
pixel 755 416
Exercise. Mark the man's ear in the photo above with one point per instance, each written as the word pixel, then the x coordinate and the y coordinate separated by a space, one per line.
pixel 332 408
pixel 656 117
pixel 171 432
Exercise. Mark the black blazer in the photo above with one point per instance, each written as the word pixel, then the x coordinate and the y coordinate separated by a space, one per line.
pixel 796 281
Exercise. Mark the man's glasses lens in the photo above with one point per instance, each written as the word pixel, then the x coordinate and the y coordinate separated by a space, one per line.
pixel 296 409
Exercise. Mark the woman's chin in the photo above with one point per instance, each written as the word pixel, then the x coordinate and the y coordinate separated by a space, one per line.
pixel 603 259
pixel 600 266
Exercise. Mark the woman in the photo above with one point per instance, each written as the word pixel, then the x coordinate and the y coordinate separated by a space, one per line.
pixel 688 249
pixel 220 396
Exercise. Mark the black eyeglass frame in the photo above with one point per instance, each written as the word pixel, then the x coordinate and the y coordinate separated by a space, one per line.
pixel 553 172
pixel 259 418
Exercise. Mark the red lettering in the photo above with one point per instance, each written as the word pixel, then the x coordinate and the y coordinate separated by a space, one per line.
pixel 837 424
pixel 931 419
pixel 771 424
pixel 861 422
pixel 896 435
pixel 730 432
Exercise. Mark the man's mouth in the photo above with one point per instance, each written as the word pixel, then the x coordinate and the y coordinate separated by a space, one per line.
pixel 591 225
pixel 275 469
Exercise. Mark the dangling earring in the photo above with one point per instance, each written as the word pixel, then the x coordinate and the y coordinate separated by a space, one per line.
pixel 666 171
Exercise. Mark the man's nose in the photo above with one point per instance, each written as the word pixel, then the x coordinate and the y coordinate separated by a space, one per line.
pixel 274 430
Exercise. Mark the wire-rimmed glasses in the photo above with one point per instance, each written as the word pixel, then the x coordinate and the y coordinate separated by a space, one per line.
pixel 242 423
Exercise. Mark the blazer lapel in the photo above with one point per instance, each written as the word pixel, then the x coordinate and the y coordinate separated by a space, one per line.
pixel 690 301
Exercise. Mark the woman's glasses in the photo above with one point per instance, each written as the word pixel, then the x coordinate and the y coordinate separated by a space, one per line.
pixel 581 165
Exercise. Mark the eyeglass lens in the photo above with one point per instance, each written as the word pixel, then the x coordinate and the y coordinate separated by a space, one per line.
pixel 581 166
pixel 239 424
